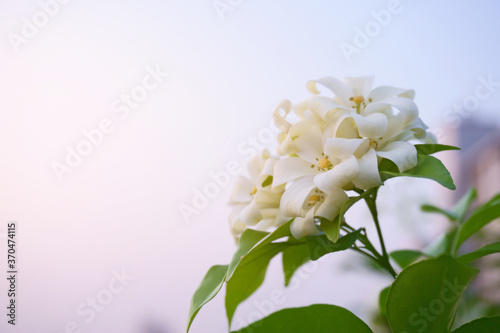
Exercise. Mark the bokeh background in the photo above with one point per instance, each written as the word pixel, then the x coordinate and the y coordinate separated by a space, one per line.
pixel 67 66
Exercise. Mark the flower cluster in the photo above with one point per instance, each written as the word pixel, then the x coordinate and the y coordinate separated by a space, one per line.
pixel 327 146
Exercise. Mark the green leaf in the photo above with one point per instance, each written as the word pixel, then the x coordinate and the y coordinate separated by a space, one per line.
pixel 317 318
pixel 427 167
pixel 387 165
pixel 442 245
pixel 484 251
pixel 433 209
pixel 330 228
pixel 248 267
pixel 478 220
pixel 425 295
pixel 464 203
pixel 251 243
pixel 320 245
pixel 268 181
pixel 209 287
pixel 493 200
pixel 458 212
pixel 249 238
pixel 294 257
pixel 428 149
pixel 405 257
pixel 482 325
pixel 248 277
pixel 382 300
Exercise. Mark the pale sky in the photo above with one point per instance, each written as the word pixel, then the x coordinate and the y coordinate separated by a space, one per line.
pixel 217 77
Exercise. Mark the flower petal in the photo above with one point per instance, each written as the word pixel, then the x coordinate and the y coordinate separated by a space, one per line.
pixel 270 213
pixel 341 174
pixel 281 123
pixel 339 88
pixel 250 215
pixel 291 168
pixel 237 227
pixel 372 126
pixel 256 163
pixel 429 138
pixel 342 148
pixel 407 110
pixel 368 176
pixel 234 215
pixel 330 208
pixel 380 93
pixel 310 145
pixel 304 226
pixel 403 154
pixel 267 170
pixel 288 146
pixel 402 114
pixel 418 127
pixel 241 190
pixel 342 126
pixel 360 85
pixel 319 105
pixel 295 195
pixel 267 199
pixel 265 224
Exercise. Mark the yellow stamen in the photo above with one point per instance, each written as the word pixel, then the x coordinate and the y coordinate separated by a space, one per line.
pixel 373 144
pixel 358 99
pixel 324 163
pixel 254 190
pixel 313 199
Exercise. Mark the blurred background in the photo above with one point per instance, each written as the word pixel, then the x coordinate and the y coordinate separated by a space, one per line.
pixel 122 124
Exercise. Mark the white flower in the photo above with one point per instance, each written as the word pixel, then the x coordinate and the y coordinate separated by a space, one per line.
pixel 361 124
pixel 382 111
pixel 317 204
pixel 307 122
pixel 314 166
pixel 255 203
pixel 329 145
pixel 314 182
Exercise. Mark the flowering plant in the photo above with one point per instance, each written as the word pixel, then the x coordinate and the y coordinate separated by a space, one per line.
pixel 333 151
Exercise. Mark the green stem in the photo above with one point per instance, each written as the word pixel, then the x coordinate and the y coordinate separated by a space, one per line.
pixel 369 246
pixel 357 249
pixel 370 197
pixel 454 244
pixel 372 206
pixel 347 226
pixel 375 255
pixel 373 210
pixel 364 240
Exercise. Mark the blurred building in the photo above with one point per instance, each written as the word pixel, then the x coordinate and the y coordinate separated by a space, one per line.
pixel 478 165
pixel 479 161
